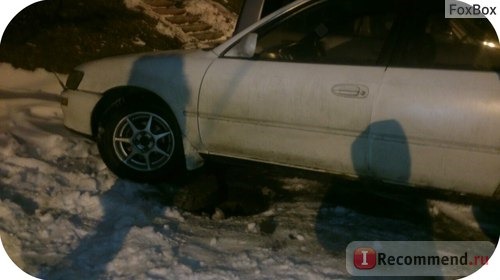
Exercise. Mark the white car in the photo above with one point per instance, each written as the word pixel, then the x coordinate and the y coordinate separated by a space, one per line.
pixel 389 90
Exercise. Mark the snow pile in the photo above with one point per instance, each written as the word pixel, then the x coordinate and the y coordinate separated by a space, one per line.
pixel 214 14
pixel 219 21
pixel 132 4
pixel 15 79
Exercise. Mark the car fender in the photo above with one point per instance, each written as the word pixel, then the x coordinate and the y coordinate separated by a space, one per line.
pixel 174 76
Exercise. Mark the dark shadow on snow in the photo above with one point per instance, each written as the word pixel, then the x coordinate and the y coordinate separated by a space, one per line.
pixel 28 205
pixel 123 209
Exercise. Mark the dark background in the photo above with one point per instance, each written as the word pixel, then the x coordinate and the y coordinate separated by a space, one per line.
pixel 60 34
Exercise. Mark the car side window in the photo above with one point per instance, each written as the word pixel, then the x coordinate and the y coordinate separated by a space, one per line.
pixel 454 43
pixel 343 32
pixel 272 5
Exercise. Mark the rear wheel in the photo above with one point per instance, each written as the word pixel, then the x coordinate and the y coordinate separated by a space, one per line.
pixel 140 142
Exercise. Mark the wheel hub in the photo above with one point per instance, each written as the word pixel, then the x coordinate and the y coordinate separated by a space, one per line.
pixel 144 141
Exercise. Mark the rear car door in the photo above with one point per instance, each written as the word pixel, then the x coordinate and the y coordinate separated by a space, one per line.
pixel 443 91
pixel 306 95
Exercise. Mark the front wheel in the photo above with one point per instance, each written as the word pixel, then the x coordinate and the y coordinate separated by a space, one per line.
pixel 140 142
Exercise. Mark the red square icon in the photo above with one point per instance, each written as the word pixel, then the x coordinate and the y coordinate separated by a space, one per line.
pixel 365 258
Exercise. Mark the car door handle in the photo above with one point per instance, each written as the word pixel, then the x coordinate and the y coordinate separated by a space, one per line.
pixel 350 90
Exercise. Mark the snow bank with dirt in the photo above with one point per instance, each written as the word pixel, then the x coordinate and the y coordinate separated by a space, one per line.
pixel 16 79
pixel 218 23
pixel 214 14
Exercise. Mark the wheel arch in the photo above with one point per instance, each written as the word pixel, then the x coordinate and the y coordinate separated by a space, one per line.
pixel 121 94
pixel 192 158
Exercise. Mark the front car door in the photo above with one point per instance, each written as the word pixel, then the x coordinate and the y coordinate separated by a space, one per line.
pixel 306 95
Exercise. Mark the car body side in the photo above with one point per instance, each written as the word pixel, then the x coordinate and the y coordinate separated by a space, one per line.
pixel 426 127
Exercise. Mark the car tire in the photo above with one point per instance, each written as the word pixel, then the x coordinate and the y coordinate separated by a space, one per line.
pixel 140 142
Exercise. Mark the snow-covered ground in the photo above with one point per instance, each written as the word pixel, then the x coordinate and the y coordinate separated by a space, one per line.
pixel 63 215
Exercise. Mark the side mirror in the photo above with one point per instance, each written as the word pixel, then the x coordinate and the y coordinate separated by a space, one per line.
pixel 245 48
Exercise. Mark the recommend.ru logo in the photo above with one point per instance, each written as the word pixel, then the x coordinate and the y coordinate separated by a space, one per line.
pixel 417 258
